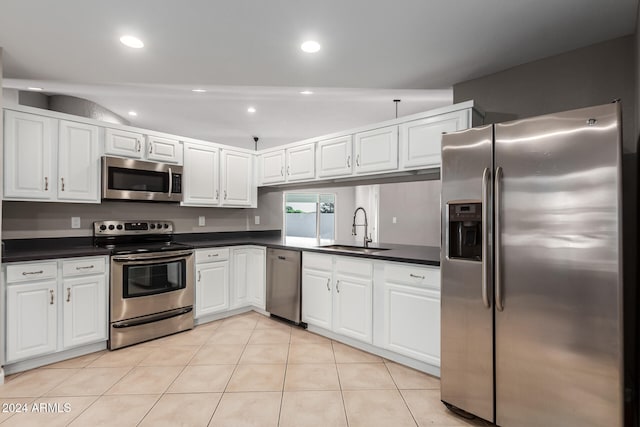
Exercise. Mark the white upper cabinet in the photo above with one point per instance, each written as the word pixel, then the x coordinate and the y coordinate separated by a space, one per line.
pixel 163 149
pixel 201 175
pixel 271 167
pixel 301 162
pixel 124 143
pixel 420 140
pixel 237 178
pixel 79 162
pixel 377 150
pixel 335 157
pixel 29 147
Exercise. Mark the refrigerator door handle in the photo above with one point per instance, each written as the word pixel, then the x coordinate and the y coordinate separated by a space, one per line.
pixel 486 178
pixel 498 267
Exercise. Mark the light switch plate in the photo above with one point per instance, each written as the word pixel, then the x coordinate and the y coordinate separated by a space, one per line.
pixel 394 220
pixel 75 222
pixel 257 219
pixel 201 221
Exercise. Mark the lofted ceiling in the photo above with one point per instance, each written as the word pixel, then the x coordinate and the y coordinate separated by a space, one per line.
pixel 246 53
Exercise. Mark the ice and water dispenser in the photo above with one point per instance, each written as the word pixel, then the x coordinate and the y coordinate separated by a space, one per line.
pixel 465 231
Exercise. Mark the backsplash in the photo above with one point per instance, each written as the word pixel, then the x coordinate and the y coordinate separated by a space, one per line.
pixel 21 220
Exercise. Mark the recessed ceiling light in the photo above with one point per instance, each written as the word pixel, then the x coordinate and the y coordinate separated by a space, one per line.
pixel 251 110
pixel 37 89
pixel 198 90
pixel 132 41
pixel 310 46
pixel 133 113
pixel 306 92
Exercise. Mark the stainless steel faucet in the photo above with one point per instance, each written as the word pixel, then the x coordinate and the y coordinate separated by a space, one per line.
pixel 367 239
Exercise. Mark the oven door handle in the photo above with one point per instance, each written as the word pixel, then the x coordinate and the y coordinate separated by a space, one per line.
pixel 152 319
pixel 174 256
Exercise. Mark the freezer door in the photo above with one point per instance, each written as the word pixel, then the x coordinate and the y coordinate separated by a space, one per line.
pixel 467 309
pixel 558 270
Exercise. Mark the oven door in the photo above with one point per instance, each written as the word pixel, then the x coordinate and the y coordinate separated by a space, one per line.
pixel 143 284
pixel 128 179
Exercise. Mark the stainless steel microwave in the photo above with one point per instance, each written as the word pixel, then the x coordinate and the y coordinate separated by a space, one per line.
pixel 129 179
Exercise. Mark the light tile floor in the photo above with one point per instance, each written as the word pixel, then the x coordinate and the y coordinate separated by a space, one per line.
pixel 246 370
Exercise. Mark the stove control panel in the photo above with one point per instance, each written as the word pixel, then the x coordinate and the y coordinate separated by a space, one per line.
pixel 125 228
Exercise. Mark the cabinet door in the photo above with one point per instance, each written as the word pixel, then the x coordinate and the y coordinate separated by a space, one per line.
pixel 317 297
pixel 353 306
pixel 212 288
pixel 256 277
pixel 240 279
pixel 31 319
pixel 79 162
pixel 28 156
pixel 334 156
pixel 377 150
pixel 420 140
pixel 163 149
pixel 201 168
pixel 237 178
pixel 301 162
pixel 272 167
pixel 412 322
pixel 85 310
pixel 123 143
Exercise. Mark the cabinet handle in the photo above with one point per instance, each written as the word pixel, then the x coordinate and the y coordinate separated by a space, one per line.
pixel 348 161
pixel 212 255
pixel 281 171
pixel 328 281
pixel 338 286
pixel 358 160
pixel 150 148
pixel 85 267
pixel 217 194
pixel 62 182
pixel 51 292
pixel 415 276
pixel 68 294
pixel 199 275
pixel 46 184
pixel 26 273
pixel 138 145
pixel 289 170
pixel 225 194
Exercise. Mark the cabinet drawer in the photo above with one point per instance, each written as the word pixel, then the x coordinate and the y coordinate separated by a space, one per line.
pixel 211 255
pixel 423 277
pixel 317 261
pixel 354 267
pixel 84 266
pixel 31 271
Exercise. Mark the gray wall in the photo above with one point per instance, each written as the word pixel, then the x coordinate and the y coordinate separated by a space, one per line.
pixel 416 206
pixel 37 219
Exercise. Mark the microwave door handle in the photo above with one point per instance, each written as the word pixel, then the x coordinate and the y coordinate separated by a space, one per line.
pixel 170 182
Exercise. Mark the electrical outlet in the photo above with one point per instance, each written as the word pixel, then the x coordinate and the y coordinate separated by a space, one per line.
pixel 257 219
pixel 75 222
pixel 394 220
pixel 201 221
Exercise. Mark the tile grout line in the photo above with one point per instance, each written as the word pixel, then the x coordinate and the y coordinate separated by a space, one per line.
pixel 344 405
pixel 284 379
pixel 400 393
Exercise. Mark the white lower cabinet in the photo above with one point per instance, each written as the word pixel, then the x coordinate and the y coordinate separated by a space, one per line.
pixel 40 293
pixel 337 294
pixel 31 319
pixel 411 311
pixel 212 281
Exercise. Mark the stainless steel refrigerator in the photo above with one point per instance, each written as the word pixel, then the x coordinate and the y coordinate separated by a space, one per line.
pixel 532 271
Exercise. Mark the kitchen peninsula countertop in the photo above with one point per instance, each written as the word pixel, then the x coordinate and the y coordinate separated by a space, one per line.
pixel 17 250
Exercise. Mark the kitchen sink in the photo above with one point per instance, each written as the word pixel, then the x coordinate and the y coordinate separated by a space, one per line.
pixel 359 249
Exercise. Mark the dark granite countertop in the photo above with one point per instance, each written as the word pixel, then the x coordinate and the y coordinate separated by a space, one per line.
pixel 37 249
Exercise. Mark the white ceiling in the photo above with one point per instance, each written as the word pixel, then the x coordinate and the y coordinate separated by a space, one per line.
pixel 246 52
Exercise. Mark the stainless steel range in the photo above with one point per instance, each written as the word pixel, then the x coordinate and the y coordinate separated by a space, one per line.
pixel 151 292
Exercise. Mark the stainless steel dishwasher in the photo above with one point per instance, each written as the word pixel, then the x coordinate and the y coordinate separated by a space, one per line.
pixel 284 283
